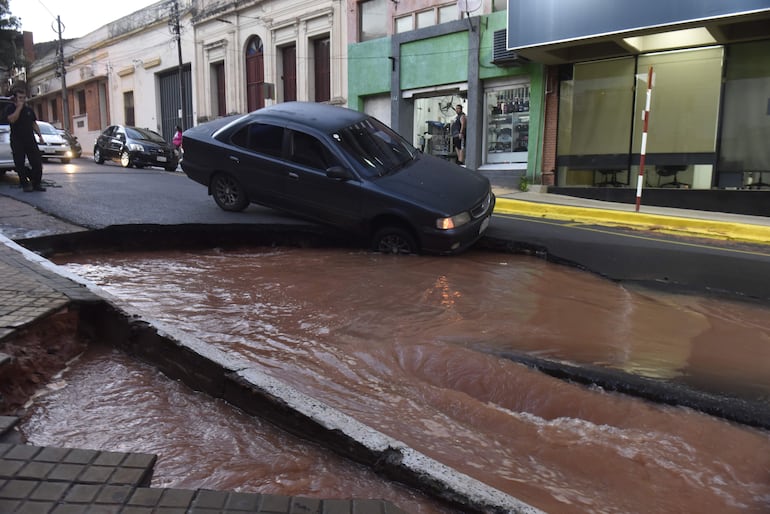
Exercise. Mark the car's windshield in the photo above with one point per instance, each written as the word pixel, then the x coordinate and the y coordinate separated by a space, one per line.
pixel 375 146
pixel 147 135
pixel 45 128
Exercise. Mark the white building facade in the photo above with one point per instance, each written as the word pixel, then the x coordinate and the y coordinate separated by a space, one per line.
pixel 235 58
pixel 252 54
pixel 126 72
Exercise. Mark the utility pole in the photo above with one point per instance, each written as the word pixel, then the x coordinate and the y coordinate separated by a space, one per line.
pixel 63 72
pixel 177 31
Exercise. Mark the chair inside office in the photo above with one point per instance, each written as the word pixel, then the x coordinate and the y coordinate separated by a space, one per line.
pixel 672 172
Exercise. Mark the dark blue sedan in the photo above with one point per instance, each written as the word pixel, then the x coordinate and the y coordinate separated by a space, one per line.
pixel 343 168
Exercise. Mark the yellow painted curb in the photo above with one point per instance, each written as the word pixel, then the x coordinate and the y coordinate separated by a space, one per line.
pixel 670 224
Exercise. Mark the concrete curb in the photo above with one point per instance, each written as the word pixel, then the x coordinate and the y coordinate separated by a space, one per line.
pixel 654 222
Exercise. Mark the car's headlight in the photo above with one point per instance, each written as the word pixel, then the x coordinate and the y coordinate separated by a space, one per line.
pixel 458 220
pixel 135 147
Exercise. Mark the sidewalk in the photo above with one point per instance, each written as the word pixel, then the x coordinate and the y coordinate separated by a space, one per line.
pixel 719 225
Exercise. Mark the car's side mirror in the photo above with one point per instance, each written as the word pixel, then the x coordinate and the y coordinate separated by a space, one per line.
pixel 339 173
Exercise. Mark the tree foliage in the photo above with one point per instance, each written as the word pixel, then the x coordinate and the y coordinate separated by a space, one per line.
pixel 10 40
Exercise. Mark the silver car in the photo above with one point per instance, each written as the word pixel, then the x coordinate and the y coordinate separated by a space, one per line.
pixel 55 145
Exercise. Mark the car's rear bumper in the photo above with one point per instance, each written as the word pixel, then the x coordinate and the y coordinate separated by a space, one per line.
pixel 161 161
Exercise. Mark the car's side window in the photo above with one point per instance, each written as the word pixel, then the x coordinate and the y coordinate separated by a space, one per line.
pixel 307 150
pixel 260 137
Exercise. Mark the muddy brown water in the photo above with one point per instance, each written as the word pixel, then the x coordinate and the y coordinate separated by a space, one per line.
pixel 407 345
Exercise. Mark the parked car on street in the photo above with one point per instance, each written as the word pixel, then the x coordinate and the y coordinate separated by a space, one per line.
pixel 54 146
pixel 77 150
pixel 134 146
pixel 6 156
pixel 343 168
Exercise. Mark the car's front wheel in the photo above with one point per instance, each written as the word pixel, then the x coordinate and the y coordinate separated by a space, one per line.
pixel 65 161
pixel 228 193
pixel 98 157
pixel 125 159
pixel 394 240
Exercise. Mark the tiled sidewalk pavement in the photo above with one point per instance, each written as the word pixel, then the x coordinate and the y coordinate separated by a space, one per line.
pixel 61 481
pixel 29 291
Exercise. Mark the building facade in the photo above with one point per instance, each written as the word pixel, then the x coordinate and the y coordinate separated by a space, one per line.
pixel 232 58
pixel 709 64
pixel 126 72
pixel 254 53
pixel 413 62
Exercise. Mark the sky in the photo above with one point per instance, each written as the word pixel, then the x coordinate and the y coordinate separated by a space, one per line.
pixel 79 17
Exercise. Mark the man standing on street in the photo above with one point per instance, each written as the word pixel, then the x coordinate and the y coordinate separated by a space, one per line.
pixel 23 143
pixel 458 134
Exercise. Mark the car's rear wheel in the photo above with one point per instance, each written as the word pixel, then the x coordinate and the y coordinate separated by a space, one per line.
pixel 394 240
pixel 125 159
pixel 228 193
pixel 98 157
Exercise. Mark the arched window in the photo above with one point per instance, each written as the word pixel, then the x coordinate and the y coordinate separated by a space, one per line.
pixel 255 74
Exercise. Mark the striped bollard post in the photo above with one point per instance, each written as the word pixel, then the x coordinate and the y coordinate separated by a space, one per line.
pixel 646 116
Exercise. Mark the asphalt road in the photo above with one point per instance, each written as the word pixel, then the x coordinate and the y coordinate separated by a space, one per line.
pixel 701 266
pixel 99 196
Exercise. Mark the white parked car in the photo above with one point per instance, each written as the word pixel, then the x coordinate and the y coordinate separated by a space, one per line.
pixel 55 145
pixel 6 157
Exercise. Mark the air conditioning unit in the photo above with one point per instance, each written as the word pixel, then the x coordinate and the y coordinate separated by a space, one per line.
pixel 86 72
pixel 501 56
pixel 40 90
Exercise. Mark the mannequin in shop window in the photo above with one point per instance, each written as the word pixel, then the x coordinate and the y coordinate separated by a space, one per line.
pixel 458 133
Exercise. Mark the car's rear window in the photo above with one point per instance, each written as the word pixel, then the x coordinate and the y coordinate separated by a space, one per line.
pixel 144 134
pixel 375 146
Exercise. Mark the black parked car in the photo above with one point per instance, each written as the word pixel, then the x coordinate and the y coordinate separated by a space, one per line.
pixel 343 168
pixel 133 146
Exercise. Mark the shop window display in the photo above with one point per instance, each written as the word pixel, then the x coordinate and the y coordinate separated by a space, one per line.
pixel 507 138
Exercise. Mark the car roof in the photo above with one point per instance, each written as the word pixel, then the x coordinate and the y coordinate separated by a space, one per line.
pixel 324 117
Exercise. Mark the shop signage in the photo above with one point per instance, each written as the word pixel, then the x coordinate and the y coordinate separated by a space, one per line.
pixel 541 22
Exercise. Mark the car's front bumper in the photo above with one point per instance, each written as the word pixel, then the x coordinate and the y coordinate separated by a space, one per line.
pixel 55 151
pixel 458 239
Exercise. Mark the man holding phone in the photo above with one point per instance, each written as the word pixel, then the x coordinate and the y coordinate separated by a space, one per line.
pixel 24 128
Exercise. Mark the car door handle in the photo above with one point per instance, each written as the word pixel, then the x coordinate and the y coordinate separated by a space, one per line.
pixel 293 175
pixel 235 159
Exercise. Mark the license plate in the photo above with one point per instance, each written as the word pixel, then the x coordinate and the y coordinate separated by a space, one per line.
pixel 484 224
pixel 161 158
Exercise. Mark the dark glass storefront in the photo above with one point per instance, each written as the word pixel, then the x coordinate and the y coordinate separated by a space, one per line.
pixel 701 134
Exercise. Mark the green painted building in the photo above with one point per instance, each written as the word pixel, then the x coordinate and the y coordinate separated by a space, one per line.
pixel 414 80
